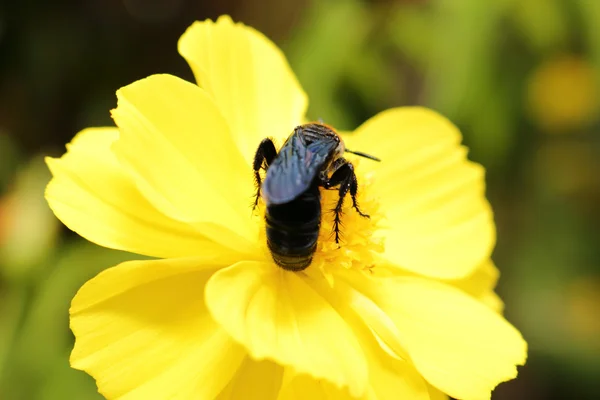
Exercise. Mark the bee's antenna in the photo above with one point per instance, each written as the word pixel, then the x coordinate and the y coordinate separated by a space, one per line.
pixel 365 155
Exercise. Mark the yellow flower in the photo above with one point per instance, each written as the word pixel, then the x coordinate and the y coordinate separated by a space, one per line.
pixel 562 94
pixel 411 317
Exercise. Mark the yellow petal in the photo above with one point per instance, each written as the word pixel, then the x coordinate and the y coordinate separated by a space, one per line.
pixel 177 145
pixel 392 379
pixel 483 279
pixel 276 315
pixel 254 380
pixel 440 222
pixel 248 78
pixel 371 315
pixel 493 301
pixel 457 344
pixel 143 332
pixel 92 195
pixel 436 394
pixel 480 284
pixel 303 387
pixel 390 374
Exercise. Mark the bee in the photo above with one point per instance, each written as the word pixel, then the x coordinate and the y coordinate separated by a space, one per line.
pixel 310 158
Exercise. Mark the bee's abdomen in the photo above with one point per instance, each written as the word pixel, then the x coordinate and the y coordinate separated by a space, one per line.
pixel 293 230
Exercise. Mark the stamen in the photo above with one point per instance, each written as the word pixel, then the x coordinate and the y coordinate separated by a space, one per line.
pixel 359 240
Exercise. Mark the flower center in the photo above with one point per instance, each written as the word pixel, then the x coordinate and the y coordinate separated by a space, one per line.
pixel 358 238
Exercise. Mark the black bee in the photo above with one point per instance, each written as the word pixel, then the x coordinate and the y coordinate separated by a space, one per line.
pixel 310 158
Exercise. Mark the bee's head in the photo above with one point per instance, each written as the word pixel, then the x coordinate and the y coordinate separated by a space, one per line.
pixel 328 131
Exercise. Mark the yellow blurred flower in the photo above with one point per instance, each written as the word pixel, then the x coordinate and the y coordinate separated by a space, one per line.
pixel 562 94
pixel 582 310
pixel 215 317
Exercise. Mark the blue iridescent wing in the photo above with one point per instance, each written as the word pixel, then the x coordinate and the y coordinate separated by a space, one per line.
pixel 295 167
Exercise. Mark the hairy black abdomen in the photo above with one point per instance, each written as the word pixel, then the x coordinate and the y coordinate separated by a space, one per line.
pixel 293 230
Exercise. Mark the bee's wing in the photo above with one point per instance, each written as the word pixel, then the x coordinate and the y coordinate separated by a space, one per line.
pixel 294 168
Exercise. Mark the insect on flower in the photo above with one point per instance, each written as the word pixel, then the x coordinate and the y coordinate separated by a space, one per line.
pixel 405 309
pixel 310 158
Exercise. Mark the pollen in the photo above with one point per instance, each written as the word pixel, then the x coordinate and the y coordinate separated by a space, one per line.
pixel 360 237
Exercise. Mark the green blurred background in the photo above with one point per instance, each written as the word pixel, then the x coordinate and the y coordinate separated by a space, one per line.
pixel 521 79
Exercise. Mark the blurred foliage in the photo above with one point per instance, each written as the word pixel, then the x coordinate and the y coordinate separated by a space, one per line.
pixel 520 78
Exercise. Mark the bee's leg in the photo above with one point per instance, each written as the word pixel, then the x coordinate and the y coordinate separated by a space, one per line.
pixel 327 182
pixel 343 173
pixel 344 176
pixel 265 154
pixel 353 193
